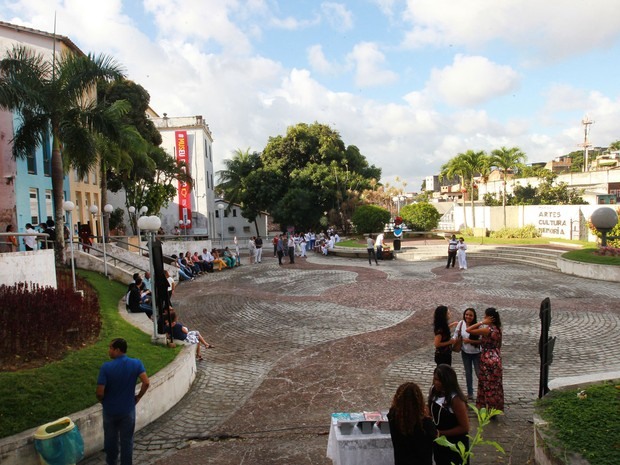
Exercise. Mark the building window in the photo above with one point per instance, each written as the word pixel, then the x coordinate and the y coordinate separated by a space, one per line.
pixel 31 162
pixel 246 229
pixel 34 206
pixel 95 176
pixel 225 213
pixel 217 213
pixel 234 212
pixel 47 160
pixel 212 186
pixel 208 186
pixel 49 212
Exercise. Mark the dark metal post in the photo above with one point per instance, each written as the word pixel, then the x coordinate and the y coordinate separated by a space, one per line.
pixel 545 346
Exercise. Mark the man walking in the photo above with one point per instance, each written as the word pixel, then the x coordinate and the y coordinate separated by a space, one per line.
pixel 116 392
pixel 259 249
pixel 452 251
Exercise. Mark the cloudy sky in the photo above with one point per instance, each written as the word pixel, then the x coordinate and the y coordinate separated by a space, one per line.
pixel 410 82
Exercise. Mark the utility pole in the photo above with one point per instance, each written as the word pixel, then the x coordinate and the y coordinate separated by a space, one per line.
pixel 586 121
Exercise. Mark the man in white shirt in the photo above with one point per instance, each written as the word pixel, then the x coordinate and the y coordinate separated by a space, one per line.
pixel 208 259
pixel 30 242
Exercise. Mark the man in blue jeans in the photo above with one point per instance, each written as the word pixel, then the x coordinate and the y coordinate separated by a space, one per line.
pixel 116 391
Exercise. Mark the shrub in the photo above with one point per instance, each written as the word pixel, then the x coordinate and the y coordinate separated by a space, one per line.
pixel 420 216
pixel 526 232
pixel 370 218
pixel 466 232
pixel 42 322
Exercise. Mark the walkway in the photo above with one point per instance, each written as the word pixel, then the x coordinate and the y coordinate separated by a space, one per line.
pixel 297 342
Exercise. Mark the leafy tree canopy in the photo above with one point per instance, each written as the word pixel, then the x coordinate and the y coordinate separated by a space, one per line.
pixel 310 162
pixel 420 216
pixel 370 219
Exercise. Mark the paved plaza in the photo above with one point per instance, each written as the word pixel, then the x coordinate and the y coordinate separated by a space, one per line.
pixel 294 343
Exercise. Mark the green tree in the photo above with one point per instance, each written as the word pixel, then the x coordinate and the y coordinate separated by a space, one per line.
pixel 313 158
pixel 455 168
pixel 474 164
pixel 420 216
pixel 505 160
pixel 51 99
pixel 370 218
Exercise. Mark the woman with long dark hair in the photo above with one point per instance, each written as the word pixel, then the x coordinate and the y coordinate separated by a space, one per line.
pixel 443 338
pixel 448 408
pixel 490 378
pixel 470 349
pixel 411 428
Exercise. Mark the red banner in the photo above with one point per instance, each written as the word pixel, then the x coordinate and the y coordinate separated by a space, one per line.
pixel 183 190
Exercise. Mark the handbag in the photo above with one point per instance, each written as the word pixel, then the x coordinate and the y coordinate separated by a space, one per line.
pixel 458 340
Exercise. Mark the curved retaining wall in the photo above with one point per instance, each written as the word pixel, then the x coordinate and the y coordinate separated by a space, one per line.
pixel 590 270
pixel 167 387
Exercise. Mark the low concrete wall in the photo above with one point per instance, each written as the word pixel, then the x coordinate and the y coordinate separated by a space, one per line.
pixel 37 266
pixel 167 387
pixel 590 270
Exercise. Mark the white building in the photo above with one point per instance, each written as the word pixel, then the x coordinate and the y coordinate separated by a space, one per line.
pixel 189 138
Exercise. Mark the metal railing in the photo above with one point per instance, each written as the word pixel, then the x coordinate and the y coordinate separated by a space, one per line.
pixel 5 243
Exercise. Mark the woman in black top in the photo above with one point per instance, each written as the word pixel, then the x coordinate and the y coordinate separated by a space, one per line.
pixel 443 339
pixel 411 429
pixel 448 408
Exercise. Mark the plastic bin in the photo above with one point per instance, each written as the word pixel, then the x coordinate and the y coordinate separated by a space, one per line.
pixel 59 442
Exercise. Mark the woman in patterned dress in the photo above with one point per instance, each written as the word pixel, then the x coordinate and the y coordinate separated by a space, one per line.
pixel 490 385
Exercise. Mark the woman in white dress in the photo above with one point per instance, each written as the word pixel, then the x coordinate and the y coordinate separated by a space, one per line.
pixel 461 255
pixel 252 249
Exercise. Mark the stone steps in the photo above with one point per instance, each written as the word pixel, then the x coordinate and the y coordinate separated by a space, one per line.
pixel 542 258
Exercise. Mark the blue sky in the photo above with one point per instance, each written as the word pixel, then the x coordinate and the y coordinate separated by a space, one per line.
pixel 410 82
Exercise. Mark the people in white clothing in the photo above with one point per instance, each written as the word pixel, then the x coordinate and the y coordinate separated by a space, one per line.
pixel 461 254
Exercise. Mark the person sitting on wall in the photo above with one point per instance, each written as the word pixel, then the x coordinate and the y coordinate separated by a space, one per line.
pixel 134 302
pixel 183 276
pixel 217 260
pixel 182 333
pixel 229 258
pixel 208 259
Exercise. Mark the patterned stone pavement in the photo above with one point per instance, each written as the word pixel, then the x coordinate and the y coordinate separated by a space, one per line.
pixel 297 342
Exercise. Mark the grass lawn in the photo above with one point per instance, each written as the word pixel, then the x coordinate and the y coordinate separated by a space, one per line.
pixel 30 398
pixel 586 426
pixel 588 256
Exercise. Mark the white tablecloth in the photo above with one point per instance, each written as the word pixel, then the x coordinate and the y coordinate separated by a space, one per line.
pixel 358 448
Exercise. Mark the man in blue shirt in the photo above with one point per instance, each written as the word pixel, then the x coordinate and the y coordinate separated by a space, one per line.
pixel 116 390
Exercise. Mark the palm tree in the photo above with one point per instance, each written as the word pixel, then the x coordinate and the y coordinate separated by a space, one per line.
pixel 475 164
pixel 505 160
pixel 455 168
pixel 51 97
pixel 236 170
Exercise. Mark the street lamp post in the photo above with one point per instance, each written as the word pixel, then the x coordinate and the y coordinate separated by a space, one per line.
pixel 68 207
pixel 221 207
pixel 151 225
pixel 106 211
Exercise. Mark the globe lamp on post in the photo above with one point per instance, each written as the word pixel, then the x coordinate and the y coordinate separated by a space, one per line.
pixel 604 220
pixel 151 225
pixel 221 207
pixel 68 207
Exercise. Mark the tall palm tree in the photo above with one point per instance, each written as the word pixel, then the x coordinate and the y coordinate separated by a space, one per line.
pixel 236 169
pixel 505 160
pixel 50 96
pixel 455 168
pixel 475 164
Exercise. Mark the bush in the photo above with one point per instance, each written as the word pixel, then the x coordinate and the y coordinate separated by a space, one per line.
pixel 526 232
pixel 420 216
pixel 370 218
pixel 467 232
pixel 42 322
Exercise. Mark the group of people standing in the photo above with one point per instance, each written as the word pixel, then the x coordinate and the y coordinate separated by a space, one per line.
pixel 480 347
pixel 415 424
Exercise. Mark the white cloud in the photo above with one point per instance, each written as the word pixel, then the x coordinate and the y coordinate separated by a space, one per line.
pixel 471 80
pixel 386 6
pixel 554 27
pixel 368 61
pixel 338 16
pixel 319 63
